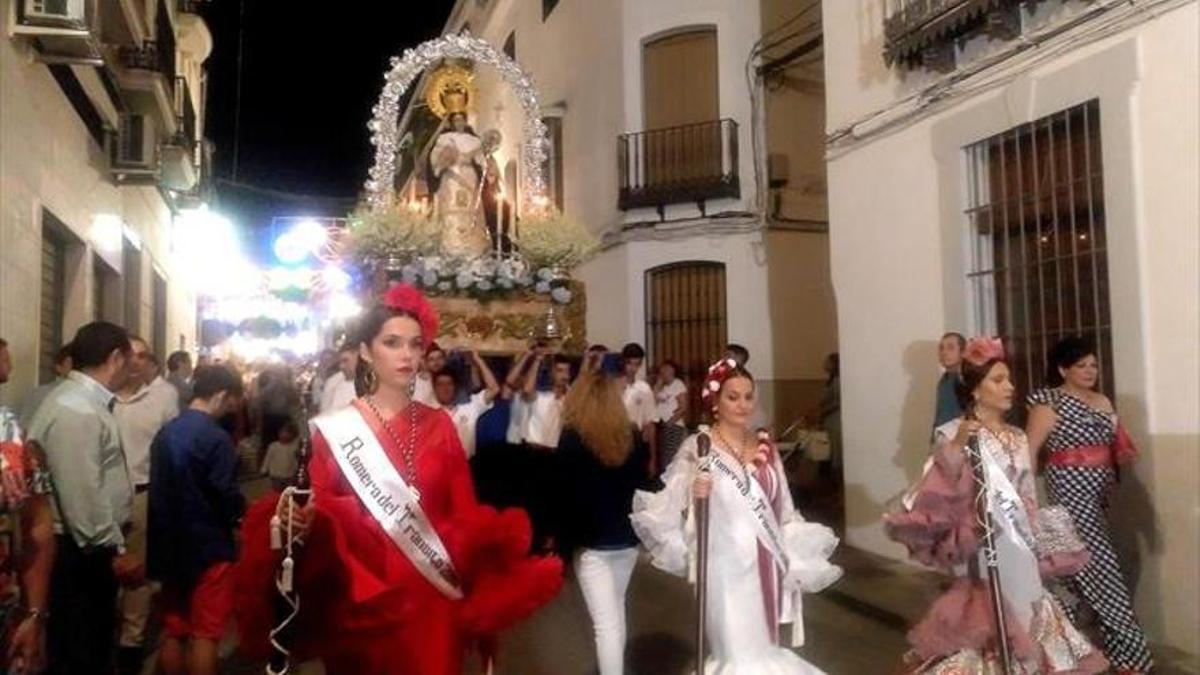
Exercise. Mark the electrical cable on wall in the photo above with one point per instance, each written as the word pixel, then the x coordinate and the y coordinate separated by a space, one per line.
pixel 755 79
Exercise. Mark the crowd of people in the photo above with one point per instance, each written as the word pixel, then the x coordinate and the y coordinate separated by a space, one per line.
pixel 122 501
pixel 120 490
pixel 1073 437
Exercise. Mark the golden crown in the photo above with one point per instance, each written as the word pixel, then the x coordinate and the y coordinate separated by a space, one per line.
pixel 451 90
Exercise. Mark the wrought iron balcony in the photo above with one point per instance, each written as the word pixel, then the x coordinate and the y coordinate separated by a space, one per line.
pixel 924 33
pixel 62 32
pixel 678 165
pixel 202 191
pixel 185 110
pixel 141 57
pixel 154 58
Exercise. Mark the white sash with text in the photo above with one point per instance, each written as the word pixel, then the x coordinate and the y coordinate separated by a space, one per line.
pixel 390 501
pixel 755 501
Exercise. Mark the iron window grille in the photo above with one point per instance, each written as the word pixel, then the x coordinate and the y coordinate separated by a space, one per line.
pixel 1037 242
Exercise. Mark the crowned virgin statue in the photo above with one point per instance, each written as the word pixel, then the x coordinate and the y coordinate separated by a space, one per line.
pixel 456 164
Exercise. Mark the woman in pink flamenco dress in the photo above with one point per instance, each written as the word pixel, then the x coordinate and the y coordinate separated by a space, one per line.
pixel 937 521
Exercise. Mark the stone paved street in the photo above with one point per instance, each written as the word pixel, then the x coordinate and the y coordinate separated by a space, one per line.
pixel 855 627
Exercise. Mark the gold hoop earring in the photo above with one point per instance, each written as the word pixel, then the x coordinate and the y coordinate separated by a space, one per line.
pixel 412 387
pixel 371 379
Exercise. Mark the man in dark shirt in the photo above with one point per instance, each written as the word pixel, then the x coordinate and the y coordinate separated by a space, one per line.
pixel 497 467
pixel 195 506
pixel 950 350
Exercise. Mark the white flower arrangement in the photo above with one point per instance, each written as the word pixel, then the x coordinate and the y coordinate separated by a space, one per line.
pixel 551 240
pixel 394 231
pixel 406 243
pixel 484 278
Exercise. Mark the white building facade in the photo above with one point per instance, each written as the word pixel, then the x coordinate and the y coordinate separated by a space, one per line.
pixel 651 118
pixel 101 146
pixel 1069 141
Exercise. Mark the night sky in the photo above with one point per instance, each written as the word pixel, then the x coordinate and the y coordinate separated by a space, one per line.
pixel 311 71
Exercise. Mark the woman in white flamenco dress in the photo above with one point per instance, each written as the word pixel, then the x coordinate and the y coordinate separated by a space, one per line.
pixel 758 566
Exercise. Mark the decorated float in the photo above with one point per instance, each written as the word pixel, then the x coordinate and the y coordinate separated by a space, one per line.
pixel 497 267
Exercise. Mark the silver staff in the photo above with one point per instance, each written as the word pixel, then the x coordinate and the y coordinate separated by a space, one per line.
pixel 703 446
pixel 986 525
pixel 287 602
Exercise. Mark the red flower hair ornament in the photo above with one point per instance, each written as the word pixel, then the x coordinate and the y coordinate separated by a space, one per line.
pixel 717 374
pixel 980 350
pixel 407 299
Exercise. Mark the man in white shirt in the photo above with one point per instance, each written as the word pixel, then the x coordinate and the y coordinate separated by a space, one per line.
pixel 75 429
pixel 518 411
pixel 543 412
pixel 142 407
pixel 639 398
pixel 466 415
pixel 327 364
pixel 338 391
pixel 544 408
pixel 434 363
pixel 62 366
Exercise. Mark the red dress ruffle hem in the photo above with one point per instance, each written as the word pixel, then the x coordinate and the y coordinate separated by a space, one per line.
pixel 365 609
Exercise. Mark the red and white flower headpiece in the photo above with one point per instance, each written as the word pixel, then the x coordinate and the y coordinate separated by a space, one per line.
pixel 982 349
pixel 717 374
pixel 407 299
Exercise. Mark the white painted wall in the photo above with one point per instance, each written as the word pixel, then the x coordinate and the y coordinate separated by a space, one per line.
pixel 586 61
pixel 616 290
pixel 738 26
pixel 802 305
pixel 867 84
pixel 574 39
pixel 47 159
pixel 896 204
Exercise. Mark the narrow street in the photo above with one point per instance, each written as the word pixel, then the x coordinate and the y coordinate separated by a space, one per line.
pixel 844 632
pixel 841 636
pixel 855 627
pixel 558 640
pixel 852 243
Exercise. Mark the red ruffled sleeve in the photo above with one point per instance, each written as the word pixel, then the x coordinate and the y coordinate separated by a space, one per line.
pixel 504 584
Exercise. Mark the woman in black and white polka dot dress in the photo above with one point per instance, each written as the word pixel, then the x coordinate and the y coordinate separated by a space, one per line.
pixel 1076 426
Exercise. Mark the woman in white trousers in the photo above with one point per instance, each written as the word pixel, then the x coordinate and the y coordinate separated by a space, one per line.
pixel 601 461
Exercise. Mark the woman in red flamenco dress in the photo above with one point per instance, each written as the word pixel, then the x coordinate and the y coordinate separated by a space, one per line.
pixel 401 571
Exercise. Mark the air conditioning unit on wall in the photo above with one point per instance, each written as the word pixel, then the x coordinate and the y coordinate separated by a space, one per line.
pixel 178 169
pixel 55 11
pixel 135 147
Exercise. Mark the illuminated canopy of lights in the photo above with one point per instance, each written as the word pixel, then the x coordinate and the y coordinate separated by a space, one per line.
pixel 306 238
pixel 209 254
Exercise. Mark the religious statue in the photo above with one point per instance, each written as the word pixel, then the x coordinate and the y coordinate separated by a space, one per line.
pixel 456 164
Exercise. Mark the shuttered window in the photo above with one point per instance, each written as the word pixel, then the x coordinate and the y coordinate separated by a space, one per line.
pixel 686 319
pixel 53 301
